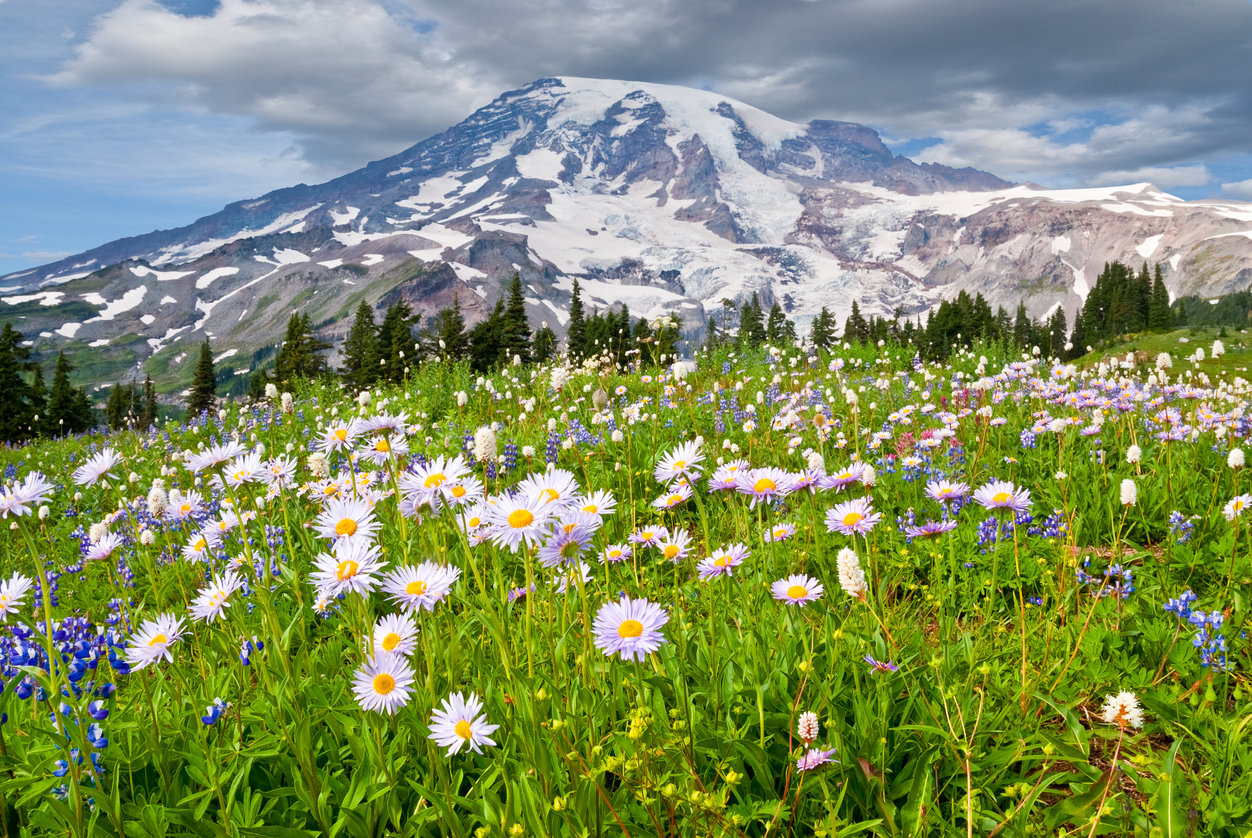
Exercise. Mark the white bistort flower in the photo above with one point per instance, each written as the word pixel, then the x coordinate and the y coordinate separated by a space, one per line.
pixel 1129 493
pixel 1122 710
pixel 851 575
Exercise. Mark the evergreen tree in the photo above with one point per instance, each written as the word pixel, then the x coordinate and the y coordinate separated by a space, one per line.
pixel 67 413
pixel 148 416
pixel 360 350
pixel 821 334
pixel 575 330
pixel 1159 317
pixel 516 338
pixel 1181 318
pixel 38 401
pixel 666 338
pixel 1021 327
pixel 203 396
pixel 776 329
pixel 752 332
pixel 449 331
pixel 300 355
pixel 855 328
pixel 1078 337
pixel 395 342
pixel 485 340
pixel 16 414
pixel 644 342
pixel 545 343
pixel 1058 331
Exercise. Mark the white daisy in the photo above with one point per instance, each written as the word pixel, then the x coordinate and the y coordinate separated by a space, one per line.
pixel 459 724
pixel 97 467
pixel 351 569
pixel 153 640
pixel 12 593
pixel 210 603
pixel 395 633
pixel 422 586
pixel 384 683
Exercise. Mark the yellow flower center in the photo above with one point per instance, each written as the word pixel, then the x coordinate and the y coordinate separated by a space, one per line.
pixel 724 561
pixel 797 592
pixel 185 508
pixel 630 628
pixel 475 521
pixel 779 533
pixel 852 519
pixel 382 446
pixel 160 638
pixel 342 433
pixel 550 495
pixel 674 500
pixel 615 554
pixel 647 535
pixel 416 588
pixel 458 491
pixel 240 475
pixel 384 683
pixel 1001 497
pixel 671 550
pixel 680 464
pixel 521 519
pixel 592 508
pixel 200 546
pixel 391 641
pixel 346 570
pixel 346 527
pixel 435 480
pixel 764 485
pixel 463 730
pixel 331 489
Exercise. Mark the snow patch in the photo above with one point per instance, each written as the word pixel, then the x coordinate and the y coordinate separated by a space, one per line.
pixel 113 308
pixel 45 298
pixel 147 319
pixel 287 256
pixel 372 259
pixel 465 272
pixel 341 218
pixel 1149 245
pixel 227 354
pixel 162 276
pixel 68 330
pixel 167 299
pixel 331 263
pixel 217 273
pixel 96 344
pixel 1060 244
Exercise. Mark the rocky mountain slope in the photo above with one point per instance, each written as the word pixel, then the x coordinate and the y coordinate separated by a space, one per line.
pixel 662 198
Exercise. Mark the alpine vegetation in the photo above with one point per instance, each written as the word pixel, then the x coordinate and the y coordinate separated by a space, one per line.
pixel 779 590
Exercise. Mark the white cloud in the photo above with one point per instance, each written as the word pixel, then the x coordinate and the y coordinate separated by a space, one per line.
pixel 341 74
pixel 1160 176
pixel 1017 152
pixel 1242 189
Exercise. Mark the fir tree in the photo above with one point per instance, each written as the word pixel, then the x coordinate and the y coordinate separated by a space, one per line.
pixel 822 332
pixel 360 350
pixel 545 343
pixel 148 417
pixel 203 396
pixel 69 410
pixel 1021 327
pixel 300 355
pixel 752 323
pixel 395 342
pixel 515 342
pixel 38 401
pixel 575 330
pixel 855 328
pixel 644 342
pixel 16 414
pixel 485 340
pixel 776 329
pixel 1159 317
pixel 449 332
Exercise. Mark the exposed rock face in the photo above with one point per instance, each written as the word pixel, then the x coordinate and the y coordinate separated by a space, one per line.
pixel 661 198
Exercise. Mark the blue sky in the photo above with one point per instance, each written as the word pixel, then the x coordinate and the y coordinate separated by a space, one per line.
pixel 125 117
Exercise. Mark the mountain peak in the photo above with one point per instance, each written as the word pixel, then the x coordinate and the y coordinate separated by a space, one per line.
pixel 658 197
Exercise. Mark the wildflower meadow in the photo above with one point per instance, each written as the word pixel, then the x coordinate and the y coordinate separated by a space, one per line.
pixel 765 593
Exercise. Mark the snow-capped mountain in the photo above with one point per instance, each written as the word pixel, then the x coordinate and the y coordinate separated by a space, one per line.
pixel 662 198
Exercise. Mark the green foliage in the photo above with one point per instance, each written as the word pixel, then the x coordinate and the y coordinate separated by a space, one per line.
pixel 300 354
pixel 991 724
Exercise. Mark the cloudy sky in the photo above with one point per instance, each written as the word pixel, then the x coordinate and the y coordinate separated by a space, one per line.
pixel 124 116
